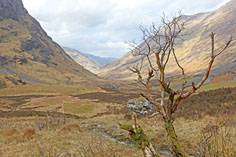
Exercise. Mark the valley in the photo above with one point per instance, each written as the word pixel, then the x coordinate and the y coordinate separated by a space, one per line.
pixel 60 102
pixel 82 120
pixel 88 61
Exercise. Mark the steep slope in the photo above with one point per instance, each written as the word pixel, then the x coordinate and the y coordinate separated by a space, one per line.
pixel 193 52
pixel 88 61
pixel 27 51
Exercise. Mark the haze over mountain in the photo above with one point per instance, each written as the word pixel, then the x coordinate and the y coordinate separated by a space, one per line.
pixel 90 62
pixel 29 53
pixel 194 52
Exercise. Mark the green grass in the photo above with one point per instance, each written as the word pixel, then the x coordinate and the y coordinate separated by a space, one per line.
pixel 82 89
pixel 77 109
pixel 218 85
pixel 49 89
pixel 141 99
pixel 54 101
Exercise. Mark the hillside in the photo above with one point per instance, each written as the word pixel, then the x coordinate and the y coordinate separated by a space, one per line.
pixel 193 52
pixel 28 52
pixel 88 61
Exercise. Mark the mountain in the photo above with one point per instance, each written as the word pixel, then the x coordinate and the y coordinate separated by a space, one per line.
pixel 88 61
pixel 28 52
pixel 194 52
pixel 102 60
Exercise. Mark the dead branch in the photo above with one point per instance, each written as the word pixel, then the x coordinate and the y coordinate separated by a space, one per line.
pixel 195 88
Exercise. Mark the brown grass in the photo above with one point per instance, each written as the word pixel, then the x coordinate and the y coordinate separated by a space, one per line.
pixel 93 133
pixel 69 127
pixel 221 78
pixel 62 140
pixel 9 132
pixel 214 103
pixel 218 139
pixel 29 133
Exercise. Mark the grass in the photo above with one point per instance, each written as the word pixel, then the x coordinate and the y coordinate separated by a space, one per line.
pixel 91 135
pixel 53 101
pixel 43 89
pixel 55 142
pixel 223 84
pixel 221 78
pixel 78 109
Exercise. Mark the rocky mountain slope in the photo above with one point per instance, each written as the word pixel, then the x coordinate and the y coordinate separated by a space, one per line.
pixel 194 51
pixel 28 52
pixel 88 61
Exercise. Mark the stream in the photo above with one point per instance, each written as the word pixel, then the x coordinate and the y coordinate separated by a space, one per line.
pixel 167 153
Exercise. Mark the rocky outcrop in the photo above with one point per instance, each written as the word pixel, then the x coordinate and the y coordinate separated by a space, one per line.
pixel 12 9
pixel 140 106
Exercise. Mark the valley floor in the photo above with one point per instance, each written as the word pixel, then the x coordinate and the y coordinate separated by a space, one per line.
pixel 50 120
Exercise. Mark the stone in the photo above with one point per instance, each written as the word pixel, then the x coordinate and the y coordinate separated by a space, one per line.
pixel 140 105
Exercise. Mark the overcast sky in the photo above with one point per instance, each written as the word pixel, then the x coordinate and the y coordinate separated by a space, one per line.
pixel 101 27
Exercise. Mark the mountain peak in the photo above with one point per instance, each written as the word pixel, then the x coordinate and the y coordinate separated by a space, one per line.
pixel 27 51
pixel 12 9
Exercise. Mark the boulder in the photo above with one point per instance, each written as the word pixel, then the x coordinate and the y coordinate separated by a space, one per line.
pixel 140 105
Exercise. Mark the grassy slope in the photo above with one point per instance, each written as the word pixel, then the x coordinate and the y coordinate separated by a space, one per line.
pixel 193 52
pixel 87 62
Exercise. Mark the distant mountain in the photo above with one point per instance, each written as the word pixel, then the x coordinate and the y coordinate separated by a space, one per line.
pixel 102 60
pixel 194 52
pixel 88 61
pixel 29 53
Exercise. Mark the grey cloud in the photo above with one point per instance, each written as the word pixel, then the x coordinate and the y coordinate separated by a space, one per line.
pixel 101 26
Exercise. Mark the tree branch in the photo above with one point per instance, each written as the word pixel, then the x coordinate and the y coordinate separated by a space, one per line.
pixel 200 84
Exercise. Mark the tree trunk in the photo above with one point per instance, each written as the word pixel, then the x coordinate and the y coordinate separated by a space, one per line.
pixel 139 137
pixel 149 151
pixel 176 147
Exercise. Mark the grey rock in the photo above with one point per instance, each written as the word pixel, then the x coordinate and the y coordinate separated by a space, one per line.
pixel 140 106
pixel 14 33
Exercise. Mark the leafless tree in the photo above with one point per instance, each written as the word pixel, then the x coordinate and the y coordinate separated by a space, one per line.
pixel 159 42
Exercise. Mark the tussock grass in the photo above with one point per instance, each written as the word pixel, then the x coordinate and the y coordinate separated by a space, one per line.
pixel 61 140
pixel 98 130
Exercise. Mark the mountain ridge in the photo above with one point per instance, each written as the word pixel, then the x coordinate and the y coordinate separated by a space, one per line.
pixel 194 51
pixel 27 51
pixel 88 61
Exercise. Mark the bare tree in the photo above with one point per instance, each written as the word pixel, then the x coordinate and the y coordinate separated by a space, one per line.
pixel 159 42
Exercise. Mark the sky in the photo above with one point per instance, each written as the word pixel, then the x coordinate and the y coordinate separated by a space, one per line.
pixel 101 27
